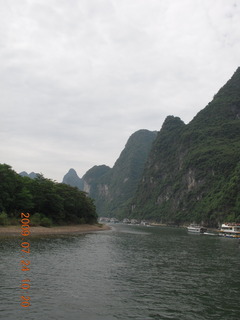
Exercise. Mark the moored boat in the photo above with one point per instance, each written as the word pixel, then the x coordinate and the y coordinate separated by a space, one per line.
pixel 230 230
pixel 196 228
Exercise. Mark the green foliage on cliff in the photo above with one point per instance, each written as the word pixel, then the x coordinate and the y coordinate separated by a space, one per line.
pixel 48 202
pixel 193 171
pixel 114 188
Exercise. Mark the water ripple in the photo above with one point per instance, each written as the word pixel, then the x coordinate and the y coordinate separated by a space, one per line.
pixel 130 272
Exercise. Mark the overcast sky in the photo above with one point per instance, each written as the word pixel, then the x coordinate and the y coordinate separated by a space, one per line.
pixel 78 77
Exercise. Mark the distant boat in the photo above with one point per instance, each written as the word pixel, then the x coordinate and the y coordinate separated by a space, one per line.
pixel 196 228
pixel 230 230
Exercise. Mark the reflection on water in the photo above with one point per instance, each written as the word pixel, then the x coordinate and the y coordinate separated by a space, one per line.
pixel 130 272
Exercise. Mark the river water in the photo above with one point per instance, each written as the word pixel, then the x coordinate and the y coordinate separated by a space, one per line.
pixel 129 272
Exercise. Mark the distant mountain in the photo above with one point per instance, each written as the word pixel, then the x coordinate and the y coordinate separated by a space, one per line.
pixel 193 171
pixel 31 175
pixel 181 174
pixel 71 178
pixel 92 179
pixel 113 188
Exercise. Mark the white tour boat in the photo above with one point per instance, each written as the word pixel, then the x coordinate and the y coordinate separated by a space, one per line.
pixel 230 230
pixel 196 229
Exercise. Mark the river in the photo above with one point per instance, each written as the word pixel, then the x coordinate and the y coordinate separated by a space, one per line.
pixel 129 272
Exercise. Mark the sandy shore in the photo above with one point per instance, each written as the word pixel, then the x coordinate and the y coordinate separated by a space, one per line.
pixel 74 229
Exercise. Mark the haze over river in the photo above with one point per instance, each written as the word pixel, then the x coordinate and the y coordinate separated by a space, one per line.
pixel 129 272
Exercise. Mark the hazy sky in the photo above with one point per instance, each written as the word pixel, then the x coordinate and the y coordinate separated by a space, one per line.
pixel 78 77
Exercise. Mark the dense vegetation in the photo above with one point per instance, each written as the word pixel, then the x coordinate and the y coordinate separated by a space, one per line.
pixel 48 202
pixel 193 171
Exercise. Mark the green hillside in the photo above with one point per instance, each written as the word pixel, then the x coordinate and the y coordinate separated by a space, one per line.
pixel 192 172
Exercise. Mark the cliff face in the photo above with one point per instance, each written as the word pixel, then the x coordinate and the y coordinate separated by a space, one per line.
pixel 113 188
pixel 93 184
pixel 192 172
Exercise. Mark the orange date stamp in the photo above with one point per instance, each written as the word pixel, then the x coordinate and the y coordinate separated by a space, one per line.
pixel 25 262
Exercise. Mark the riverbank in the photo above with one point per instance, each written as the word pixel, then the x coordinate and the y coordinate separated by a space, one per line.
pixel 73 229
